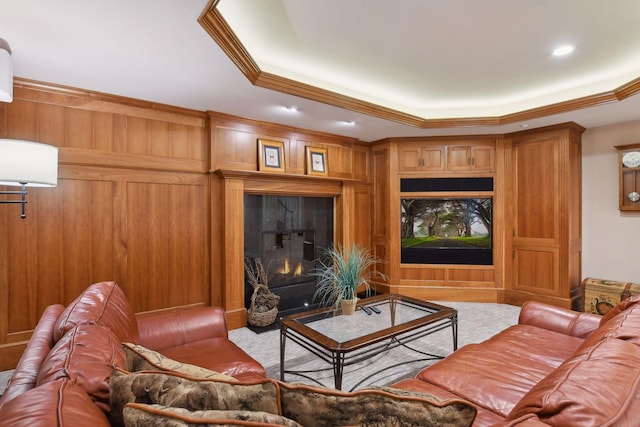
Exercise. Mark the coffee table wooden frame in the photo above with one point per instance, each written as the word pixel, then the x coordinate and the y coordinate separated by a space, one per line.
pixel 341 354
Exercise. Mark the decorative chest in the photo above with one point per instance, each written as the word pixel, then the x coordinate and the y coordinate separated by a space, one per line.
pixel 600 295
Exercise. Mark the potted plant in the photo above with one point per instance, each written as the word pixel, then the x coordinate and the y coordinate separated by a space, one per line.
pixel 341 273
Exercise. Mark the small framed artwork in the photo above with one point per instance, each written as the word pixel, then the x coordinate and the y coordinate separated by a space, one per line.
pixel 316 161
pixel 270 155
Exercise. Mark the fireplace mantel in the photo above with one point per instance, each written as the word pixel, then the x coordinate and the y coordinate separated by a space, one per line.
pixel 244 174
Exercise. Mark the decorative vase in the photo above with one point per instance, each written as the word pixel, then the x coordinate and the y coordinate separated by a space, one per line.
pixel 348 306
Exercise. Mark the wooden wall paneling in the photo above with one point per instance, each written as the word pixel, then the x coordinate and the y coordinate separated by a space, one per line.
pixel 501 230
pixel 343 214
pixel 217 225
pixel 537 178
pixel 352 222
pixel 3 119
pixel 233 252
pixel 21 120
pixel 361 162
pixel 32 264
pixel 87 213
pixel 380 177
pixel 362 215
pixel 132 201
pixel 167 253
pixel 546 202
pixel 295 156
pixel 47 93
pixel 234 145
pixel 341 160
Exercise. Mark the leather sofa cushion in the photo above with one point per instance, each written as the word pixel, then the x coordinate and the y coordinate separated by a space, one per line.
pixel 498 372
pixel 598 386
pixel 25 375
pixel 227 358
pixel 86 355
pixel 57 403
pixel 623 326
pixel 160 330
pixel 103 304
pixel 177 391
pixel 140 358
pixel 140 415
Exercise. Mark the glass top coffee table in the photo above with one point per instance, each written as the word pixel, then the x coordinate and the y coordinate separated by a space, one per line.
pixel 342 340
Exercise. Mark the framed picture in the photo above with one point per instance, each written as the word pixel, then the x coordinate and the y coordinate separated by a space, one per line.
pixel 270 155
pixel 316 161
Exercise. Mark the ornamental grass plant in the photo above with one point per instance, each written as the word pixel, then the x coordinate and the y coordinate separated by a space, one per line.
pixel 342 272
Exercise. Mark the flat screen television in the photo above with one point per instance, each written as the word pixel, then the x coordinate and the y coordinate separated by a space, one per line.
pixel 443 230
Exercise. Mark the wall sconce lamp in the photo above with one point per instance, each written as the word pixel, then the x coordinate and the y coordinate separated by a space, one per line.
pixel 6 72
pixel 27 164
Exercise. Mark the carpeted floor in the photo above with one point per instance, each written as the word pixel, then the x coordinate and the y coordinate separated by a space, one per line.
pixel 476 323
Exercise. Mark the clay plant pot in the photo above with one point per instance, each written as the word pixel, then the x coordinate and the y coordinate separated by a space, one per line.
pixel 348 306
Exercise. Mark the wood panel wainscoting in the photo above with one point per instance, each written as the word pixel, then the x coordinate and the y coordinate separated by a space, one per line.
pixel 137 203
pixel 131 205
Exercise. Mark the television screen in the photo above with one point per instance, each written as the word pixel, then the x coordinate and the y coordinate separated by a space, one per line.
pixel 446 231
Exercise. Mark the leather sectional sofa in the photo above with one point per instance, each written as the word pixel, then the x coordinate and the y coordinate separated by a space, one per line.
pixel 555 367
pixel 67 364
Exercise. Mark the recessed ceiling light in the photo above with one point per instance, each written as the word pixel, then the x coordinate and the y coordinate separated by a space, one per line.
pixel 524 125
pixel 349 122
pixel 291 108
pixel 563 50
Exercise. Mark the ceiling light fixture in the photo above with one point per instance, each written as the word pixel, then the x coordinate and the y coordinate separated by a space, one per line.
pixel 563 50
pixel 291 108
pixel 349 122
pixel 6 72
pixel 27 164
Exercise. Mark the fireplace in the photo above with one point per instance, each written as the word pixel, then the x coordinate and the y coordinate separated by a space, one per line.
pixel 287 233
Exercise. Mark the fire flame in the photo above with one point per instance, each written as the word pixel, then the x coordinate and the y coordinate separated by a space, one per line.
pixel 286 268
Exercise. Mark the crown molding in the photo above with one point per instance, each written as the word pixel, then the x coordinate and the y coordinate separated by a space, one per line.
pixel 217 27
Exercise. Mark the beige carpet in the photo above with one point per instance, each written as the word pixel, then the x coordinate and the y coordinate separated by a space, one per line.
pixel 476 323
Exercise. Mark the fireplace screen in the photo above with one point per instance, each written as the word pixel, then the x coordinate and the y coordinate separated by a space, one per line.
pixel 288 233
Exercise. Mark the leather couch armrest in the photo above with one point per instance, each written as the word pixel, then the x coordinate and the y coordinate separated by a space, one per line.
pixel 557 319
pixel 25 375
pixel 173 328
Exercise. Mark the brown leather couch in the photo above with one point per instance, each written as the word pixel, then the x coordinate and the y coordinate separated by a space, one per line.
pixel 555 367
pixel 62 377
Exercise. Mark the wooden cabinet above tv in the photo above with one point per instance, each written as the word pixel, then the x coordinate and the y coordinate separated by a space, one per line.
pixel 446 155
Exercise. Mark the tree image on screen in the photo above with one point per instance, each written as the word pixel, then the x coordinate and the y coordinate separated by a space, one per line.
pixel 446 223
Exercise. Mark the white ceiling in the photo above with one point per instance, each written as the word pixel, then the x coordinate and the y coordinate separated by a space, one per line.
pixel 446 59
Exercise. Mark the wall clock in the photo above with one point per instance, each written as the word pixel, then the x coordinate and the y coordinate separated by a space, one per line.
pixel 631 159
pixel 629 177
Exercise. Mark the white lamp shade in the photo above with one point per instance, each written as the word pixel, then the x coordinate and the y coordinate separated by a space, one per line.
pixel 31 163
pixel 6 75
